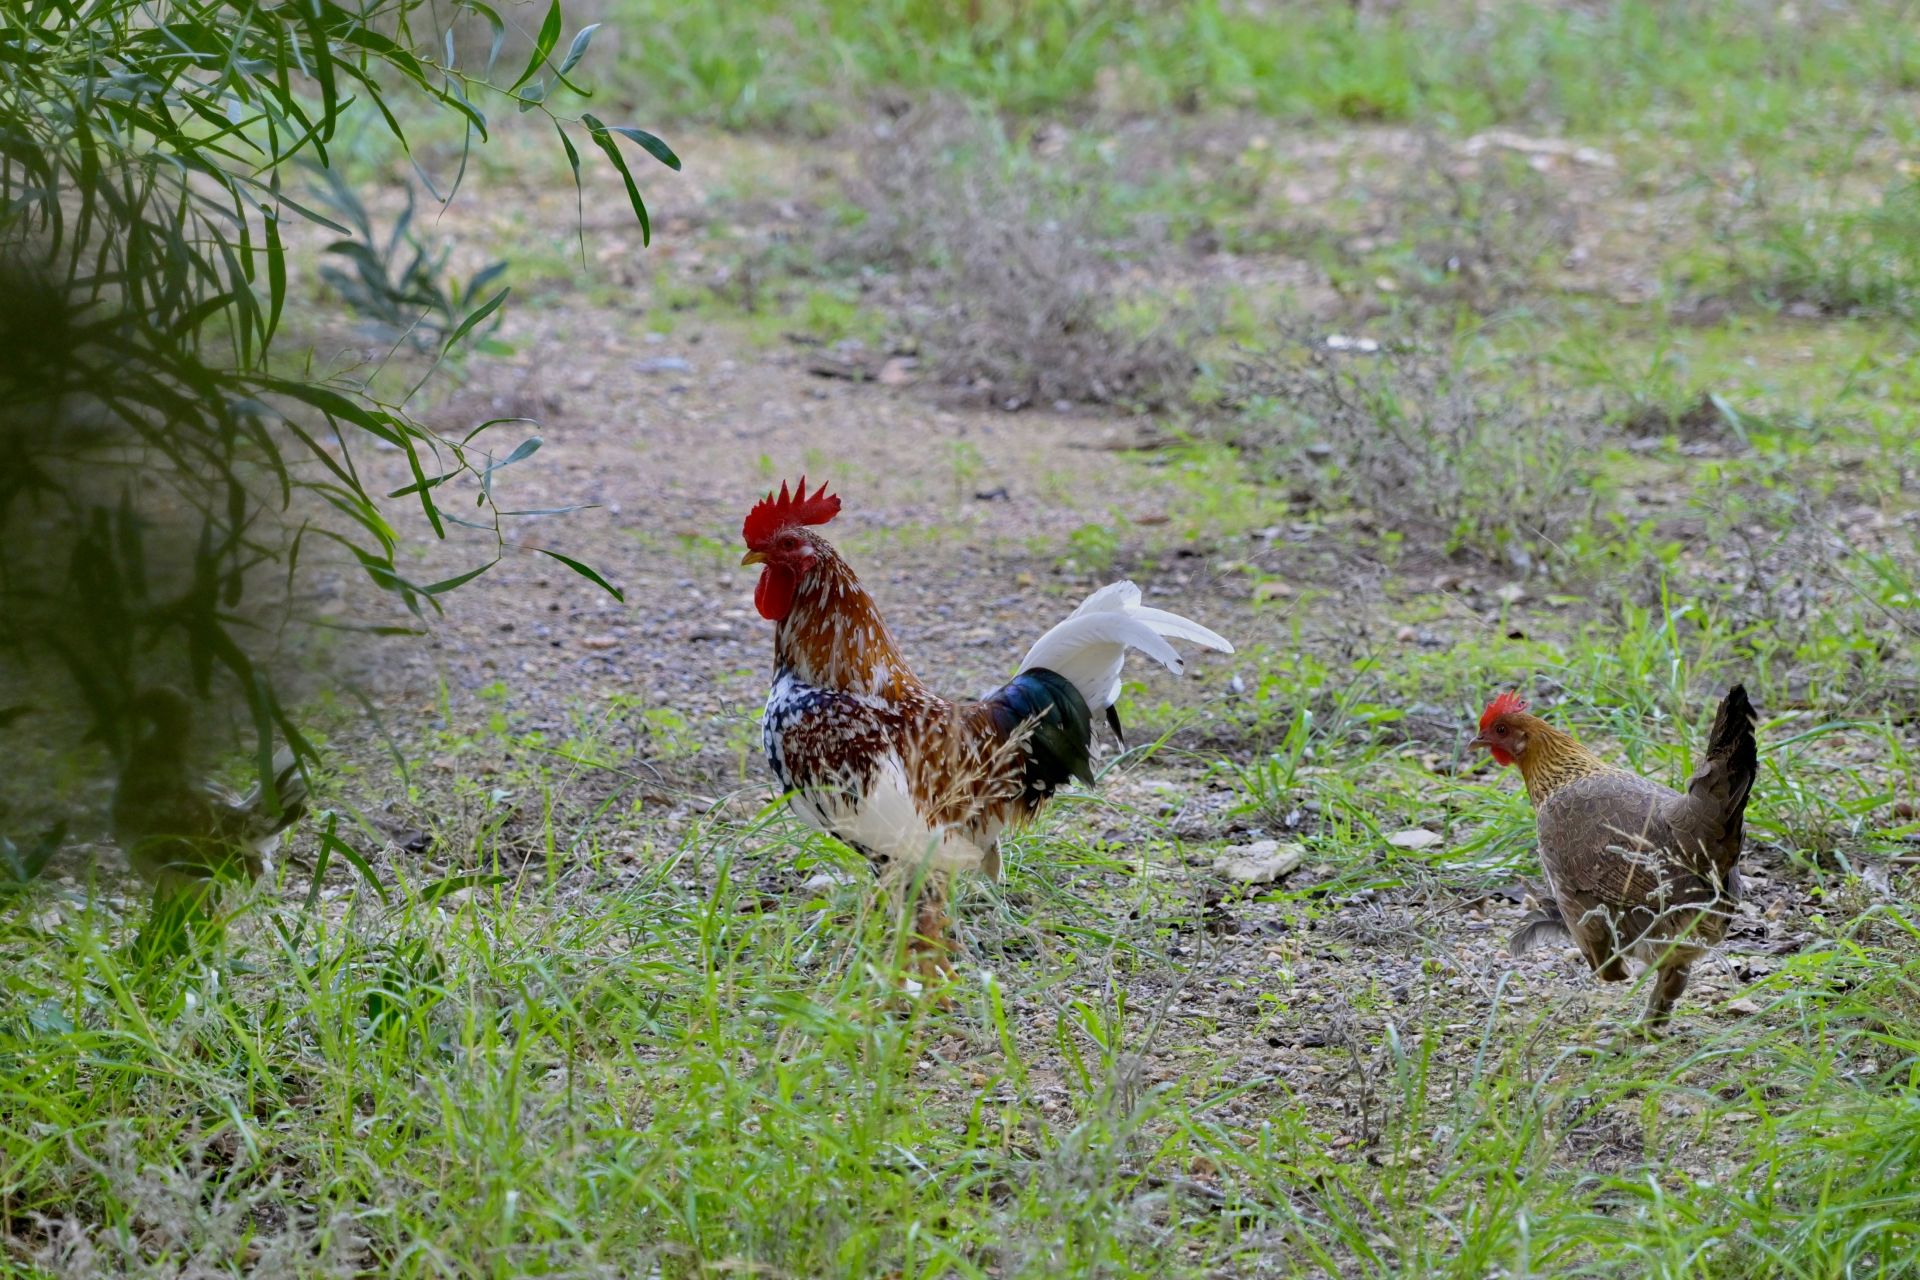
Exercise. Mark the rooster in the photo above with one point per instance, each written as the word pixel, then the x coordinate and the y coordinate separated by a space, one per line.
pixel 1634 869
pixel 919 784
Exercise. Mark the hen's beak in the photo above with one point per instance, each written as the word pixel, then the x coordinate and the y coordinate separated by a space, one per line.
pixel 1483 742
pixel 754 557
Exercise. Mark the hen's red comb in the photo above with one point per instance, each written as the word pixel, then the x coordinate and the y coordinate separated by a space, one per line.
pixel 772 514
pixel 1506 703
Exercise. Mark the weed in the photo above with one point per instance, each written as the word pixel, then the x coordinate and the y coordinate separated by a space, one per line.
pixel 1476 225
pixel 1092 548
pixel 1858 255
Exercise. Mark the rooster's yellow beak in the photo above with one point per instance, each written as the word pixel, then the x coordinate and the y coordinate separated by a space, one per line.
pixel 754 557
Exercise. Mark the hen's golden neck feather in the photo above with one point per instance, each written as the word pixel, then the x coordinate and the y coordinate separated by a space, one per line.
pixel 1552 759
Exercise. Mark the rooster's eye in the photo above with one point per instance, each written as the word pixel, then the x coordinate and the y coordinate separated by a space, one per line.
pixel 1502 731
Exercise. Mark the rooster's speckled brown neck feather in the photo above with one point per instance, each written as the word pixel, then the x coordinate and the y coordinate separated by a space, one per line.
pixel 834 638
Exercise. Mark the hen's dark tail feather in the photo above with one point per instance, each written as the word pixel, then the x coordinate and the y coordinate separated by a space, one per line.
pixel 1725 778
pixel 1542 924
pixel 1061 739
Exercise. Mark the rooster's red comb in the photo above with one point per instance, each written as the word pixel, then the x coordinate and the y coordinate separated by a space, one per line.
pixel 772 514
pixel 1505 704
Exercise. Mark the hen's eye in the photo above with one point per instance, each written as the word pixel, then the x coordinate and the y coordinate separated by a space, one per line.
pixel 1502 731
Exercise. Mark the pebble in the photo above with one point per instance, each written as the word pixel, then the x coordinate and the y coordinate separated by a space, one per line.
pixel 1261 862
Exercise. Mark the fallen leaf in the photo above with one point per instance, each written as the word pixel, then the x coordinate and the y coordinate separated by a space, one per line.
pixel 1537 148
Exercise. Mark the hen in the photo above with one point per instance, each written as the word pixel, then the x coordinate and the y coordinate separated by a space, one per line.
pixel 1634 869
pixel 181 833
pixel 914 781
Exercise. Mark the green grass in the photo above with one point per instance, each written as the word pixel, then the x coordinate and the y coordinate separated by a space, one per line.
pixel 640 1065
pixel 1716 69
pixel 595 1043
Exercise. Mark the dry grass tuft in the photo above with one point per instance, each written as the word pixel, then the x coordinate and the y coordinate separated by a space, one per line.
pixel 1002 275
pixel 1423 447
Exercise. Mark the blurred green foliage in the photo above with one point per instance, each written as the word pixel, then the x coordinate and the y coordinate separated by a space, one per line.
pixel 164 461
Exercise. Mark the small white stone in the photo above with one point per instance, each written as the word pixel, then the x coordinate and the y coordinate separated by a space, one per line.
pixel 1261 862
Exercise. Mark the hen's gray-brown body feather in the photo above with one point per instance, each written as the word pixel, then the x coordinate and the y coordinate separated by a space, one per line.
pixel 1631 872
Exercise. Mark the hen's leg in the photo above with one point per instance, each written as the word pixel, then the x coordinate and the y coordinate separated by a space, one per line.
pixel 1594 933
pixel 1664 990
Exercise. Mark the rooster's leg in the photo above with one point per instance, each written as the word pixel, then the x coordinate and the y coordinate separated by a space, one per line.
pixel 932 939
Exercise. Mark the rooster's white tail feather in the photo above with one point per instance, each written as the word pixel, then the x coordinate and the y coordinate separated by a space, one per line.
pixel 1172 624
pixel 1090 646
